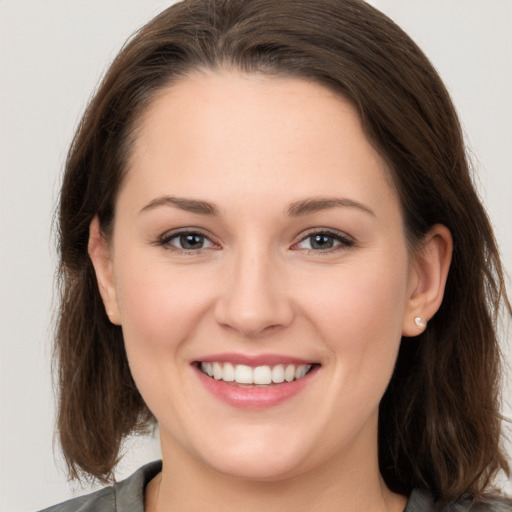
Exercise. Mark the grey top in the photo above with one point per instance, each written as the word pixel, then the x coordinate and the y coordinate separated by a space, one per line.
pixel 128 496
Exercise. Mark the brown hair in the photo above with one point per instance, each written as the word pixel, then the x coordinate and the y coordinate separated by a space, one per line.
pixel 439 419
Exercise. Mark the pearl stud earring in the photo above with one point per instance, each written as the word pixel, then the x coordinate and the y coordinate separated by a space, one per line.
pixel 418 322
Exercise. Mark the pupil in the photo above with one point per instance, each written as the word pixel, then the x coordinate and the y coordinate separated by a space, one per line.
pixel 191 241
pixel 321 242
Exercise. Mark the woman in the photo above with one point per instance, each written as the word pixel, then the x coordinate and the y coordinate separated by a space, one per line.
pixel 271 245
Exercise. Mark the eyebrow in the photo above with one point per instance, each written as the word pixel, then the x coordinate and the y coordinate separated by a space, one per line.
pixel 296 209
pixel 188 205
pixel 308 206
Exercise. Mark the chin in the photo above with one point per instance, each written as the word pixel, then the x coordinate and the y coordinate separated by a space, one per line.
pixel 263 460
pixel 264 469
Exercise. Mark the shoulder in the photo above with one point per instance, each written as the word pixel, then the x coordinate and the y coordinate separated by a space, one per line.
pixel 488 504
pixel 423 501
pixel 125 496
pixel 102 500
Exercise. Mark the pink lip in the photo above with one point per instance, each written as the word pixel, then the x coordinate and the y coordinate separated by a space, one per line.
pixel 252 360
pixel 253 397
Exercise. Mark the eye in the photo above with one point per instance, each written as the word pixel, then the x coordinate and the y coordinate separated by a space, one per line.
pixel 187 241
pixel 321 241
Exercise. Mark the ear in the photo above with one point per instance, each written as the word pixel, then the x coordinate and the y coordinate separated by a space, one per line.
pixel 427 280
pixel 100 254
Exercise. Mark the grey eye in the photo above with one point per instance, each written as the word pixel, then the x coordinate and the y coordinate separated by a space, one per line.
pixel 189 241
pixel 324 241
pixel 321 241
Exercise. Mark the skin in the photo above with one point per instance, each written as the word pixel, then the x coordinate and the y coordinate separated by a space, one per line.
pixel 252 146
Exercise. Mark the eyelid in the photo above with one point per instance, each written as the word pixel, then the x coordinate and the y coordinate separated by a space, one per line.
pixel 164 239
pixel 345 240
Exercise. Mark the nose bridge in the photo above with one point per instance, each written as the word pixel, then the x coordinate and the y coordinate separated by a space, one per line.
pixel 254 298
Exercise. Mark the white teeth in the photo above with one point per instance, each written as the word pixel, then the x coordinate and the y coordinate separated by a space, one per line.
pixel 217 371
pixel 243 374
pixel 289 373
pixel 228 374
pixel 208 369
pixel 300 372
pixel 278 374
pixel 260 375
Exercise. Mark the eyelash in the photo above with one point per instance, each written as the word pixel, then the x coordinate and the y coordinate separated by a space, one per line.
pixel 340 240
pixel 344 241
pixel 165 241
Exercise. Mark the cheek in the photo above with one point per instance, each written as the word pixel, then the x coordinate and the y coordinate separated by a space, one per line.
pixel 362 297
pixel 161 309
pixel 358 313
pixel 159 304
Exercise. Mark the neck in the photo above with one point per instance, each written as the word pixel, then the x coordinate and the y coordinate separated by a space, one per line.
pixel 341 484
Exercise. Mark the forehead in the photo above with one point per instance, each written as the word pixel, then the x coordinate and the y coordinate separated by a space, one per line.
pixel 258 134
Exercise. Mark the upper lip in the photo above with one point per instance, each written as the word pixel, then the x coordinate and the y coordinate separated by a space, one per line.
pixel 253 360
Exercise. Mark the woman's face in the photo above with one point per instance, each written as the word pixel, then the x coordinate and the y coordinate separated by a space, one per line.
pixel 258 236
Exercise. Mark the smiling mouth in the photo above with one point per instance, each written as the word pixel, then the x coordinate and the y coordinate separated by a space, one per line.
pixel 244 375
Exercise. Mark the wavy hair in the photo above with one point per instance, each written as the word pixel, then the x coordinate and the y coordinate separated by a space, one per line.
pixel 439 424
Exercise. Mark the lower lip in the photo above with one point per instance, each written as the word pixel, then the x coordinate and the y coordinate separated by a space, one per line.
pixel 254 398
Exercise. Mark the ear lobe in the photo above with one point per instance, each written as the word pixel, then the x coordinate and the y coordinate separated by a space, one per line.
pixel 427 281
pixel 100 255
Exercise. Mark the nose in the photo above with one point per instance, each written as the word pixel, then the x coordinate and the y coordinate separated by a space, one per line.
pixel 254 299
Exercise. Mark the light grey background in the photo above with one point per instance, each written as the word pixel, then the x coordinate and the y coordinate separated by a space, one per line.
pixel 52 54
